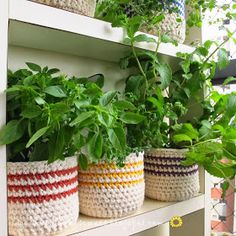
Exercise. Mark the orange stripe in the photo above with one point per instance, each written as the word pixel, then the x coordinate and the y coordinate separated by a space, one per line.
pixel 38 187
pixel 41 199
pixel 99 175
pixel 115 184
pixel 44 175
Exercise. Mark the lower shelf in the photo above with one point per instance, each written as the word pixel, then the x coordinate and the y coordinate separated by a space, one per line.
pixel 151 214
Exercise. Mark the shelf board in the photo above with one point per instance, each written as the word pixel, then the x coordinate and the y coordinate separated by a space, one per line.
pixel 42 27
pixel 152 213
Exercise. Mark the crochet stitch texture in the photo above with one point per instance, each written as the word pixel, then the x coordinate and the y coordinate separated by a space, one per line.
pixel 107 191
pixel 166 179
pixel 83 7
pixel 42 198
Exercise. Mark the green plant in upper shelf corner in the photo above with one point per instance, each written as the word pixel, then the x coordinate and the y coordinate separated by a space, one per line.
pixel 146 88
pixel 51 117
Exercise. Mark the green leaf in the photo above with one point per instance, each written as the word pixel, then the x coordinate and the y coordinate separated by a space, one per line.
pixel 33 67
pixel 78 141
pixel 131 118
pixel 53 71
pixel 83 162
pixel 167 39
pixel 124 62
pixel 117 138
pixel 28 80
pixel 231 104
pixel 188 130
pixel 55 91
pixel 106 119
pixel 82 117
pixel 107 98
pixel 134 84
pixel 36 136
pixel 134 25
pixel 158 18
pixel 144 38
pixel 124 105
pixel 165 74
pixel 39 100
pixel 11 132
pixel 223 58
pixel 40 152
pixel 95 146
pixel 229 80
pixel 178 138
pixel 81 103
pixel 225 187
pixel 220 171
pixel 31 112
pixel 56 146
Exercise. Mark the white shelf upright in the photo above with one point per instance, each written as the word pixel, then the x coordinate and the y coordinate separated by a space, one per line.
pixel 3 84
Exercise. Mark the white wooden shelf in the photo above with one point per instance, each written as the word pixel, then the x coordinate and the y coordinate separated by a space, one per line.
pixel 151 214
pixel 42 27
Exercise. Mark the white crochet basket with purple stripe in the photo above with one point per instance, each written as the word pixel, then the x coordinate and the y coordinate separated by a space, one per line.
pixel 166 179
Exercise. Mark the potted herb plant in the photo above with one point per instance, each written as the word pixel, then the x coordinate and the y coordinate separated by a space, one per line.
pixel 83 7
pixel 163 96
pixel 157 17
pixel 111 177
pixel 42 168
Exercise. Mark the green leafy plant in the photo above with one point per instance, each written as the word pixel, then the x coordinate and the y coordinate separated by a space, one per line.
pixel 101 122
pixel 40 107
pixel 51 117
pixel 166 97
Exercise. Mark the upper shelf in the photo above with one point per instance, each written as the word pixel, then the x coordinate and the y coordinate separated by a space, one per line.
pixel 42 27
pixel 152 213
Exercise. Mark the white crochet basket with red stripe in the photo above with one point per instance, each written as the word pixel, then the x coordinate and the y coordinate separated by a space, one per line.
pixel 42 198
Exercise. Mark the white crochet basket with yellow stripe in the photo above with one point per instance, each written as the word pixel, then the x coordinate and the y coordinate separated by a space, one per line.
pixel 107 191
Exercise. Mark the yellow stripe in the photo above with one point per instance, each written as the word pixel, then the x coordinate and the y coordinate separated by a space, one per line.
pixel 109 175
pixel 113 166
pixel 115 184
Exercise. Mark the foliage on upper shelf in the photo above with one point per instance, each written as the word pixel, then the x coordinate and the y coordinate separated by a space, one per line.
pixel 152 12
pixel 51 117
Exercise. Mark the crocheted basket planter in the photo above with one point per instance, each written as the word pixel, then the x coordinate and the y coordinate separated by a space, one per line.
pixel 83 7
pixel 166 179
pixel 107 191
pixel 42 198
pixel 170 26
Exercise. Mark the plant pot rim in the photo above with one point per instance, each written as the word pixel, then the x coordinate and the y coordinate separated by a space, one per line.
pixel 169 149
pixel 39 162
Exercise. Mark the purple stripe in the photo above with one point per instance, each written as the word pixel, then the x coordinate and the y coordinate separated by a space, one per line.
pixel 173 173
pixel 164 158
pixel 169 166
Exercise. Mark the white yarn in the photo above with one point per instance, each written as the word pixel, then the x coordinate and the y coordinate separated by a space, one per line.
pixel 167 187
pixel 113 197
pixel 37 216
pixel 83 7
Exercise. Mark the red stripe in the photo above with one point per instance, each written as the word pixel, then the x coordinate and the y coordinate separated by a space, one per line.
pixel 39 187
pixel 44 175
pixel 41 199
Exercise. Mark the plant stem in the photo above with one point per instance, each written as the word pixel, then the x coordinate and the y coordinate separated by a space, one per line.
pixel 137 60
pixel 221 45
